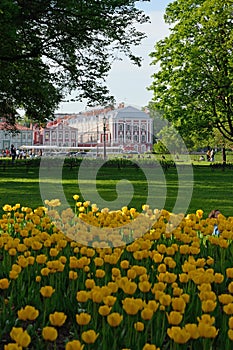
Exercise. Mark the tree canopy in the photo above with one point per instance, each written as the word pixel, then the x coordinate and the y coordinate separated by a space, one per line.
pixel 194 84
pixel 49 48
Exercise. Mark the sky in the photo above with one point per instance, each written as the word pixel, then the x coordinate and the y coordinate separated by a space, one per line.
pixel 127 82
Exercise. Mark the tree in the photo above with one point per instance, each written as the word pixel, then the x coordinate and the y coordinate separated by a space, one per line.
pixel 194 84
pixel 49 48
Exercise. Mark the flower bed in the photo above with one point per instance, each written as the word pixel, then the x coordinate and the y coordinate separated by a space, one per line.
pixel 168 288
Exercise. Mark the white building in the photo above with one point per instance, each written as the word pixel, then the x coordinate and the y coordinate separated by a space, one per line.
pixel 127 127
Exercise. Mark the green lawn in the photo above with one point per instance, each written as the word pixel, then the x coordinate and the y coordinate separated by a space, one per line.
pixel 113 187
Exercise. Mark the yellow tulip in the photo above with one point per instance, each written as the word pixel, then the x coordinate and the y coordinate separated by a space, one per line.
pixel 206 318
pixel 199 213
pixel 28 313
pixel 114 319
pixel 208 305
pixel 89 283
pixel 104 310
pixel 49 333
pixel 178 304
pixel 228 309
pixel 139 326
pixel 153 305
pixel 179 335
pixel 73 275
pixel 124 264
pixel 12 251
pixel 45 271
pixel 230 287
pixel 75 197
pixel 13 275
pixel 129 288
pixel 230 334
pixel 148 346
pixel 15 332
pixel 230 322
pixel 12 346
pixel 89 337
pixel 38 278
pixel 74 345
pixel 83 318
pixel 207 331
pixel 229 272
pixel 16 268
pixel 225 298
pixel 23 339
pixel 4 283
pixel 130 306
pixel 116 272
pixel 218 278
pixel 147 314
pixel 165 299
pixel 144 286
pixel 109 300
pixel 57 318
pixel 174 318
pixel 47 291
pixel 82 296
pixel 98 261
pixel 100 273
pixel 131 274
pixel 192 329
pixel 53 252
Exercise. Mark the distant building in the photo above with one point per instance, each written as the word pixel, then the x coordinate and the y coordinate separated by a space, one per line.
pixel 59 133
pixel 19 136
pixel 127 127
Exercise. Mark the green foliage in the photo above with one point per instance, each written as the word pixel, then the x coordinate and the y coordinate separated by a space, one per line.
pixel 160 148
pixel 194 86
pixel 50 48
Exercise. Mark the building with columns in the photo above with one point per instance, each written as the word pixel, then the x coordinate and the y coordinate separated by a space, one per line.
pixel 125 127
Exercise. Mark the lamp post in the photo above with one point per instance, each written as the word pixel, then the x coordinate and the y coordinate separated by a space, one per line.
pixel 104 129
pixel 97 136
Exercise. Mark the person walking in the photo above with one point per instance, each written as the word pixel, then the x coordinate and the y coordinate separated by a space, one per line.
pixel 13 153
pixel 208 155
pixel 212 155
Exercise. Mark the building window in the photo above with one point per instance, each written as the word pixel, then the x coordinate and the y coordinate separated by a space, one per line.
pixel 66 136
pixel 23 136
pixel 60 135
pixel 29 135
pixel 46 135
pixel 135 127
pixel 143 127
pixel 143 138
pixel 121 127
pixel 73 135
pixel 53 135
pixel 127 127
pixel 135 138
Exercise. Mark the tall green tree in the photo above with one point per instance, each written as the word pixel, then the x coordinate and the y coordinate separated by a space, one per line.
pixel 50 48
pixel 194 84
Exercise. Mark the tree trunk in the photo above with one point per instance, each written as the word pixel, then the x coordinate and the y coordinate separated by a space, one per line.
pixel 224 157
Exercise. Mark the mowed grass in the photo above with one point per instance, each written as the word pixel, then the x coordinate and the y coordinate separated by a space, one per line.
pixel 112 187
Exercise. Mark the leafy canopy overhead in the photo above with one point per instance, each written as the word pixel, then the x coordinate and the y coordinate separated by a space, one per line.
pixel 194 84
pixel 49 48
